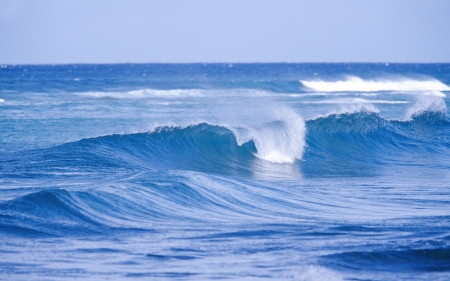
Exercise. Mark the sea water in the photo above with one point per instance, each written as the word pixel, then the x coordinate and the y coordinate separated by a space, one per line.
pixel 225 171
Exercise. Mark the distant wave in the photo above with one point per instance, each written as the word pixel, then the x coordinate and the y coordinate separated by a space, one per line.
pixel 356 84
pixel 174 93
pixel 146 93
pixel 354 101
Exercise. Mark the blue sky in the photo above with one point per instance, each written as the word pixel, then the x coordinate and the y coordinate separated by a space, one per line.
pixel 112 31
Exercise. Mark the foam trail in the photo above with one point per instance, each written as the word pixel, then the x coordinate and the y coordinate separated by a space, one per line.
pixel 280 141
pixel 356 84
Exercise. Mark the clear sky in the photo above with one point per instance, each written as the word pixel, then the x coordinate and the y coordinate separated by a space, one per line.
pixel 146 31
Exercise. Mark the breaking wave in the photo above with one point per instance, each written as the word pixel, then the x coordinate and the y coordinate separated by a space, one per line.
pixel 356 84
pixel 337 144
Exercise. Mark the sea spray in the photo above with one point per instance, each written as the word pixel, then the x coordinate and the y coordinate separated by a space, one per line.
pixel 279 141
pixel 427 103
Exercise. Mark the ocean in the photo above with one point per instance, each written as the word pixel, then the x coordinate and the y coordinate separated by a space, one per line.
pixel 225 171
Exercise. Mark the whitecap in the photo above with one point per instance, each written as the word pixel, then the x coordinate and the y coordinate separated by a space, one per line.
pixel 355 101
pixel 356 84
pixel 279 141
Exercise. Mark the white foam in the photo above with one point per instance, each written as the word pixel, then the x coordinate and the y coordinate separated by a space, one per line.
pixel 356 84
pixel 434 93
pixel 354 101
pixel 426 103
pixel 317 273
pixel 2 100
pixel 280 141
pixel 276 157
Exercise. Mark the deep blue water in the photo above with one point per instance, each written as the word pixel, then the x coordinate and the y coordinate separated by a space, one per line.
pixel 225 171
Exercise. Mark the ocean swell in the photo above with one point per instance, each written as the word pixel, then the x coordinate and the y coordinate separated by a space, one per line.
pixel 322 145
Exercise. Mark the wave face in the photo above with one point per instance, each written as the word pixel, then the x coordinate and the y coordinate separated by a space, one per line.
pixel 185 171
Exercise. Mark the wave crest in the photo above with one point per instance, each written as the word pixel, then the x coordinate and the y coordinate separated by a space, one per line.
pixel 427 109
pixel 281 141
pixel 356 84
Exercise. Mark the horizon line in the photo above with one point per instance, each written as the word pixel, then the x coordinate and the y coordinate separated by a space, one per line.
pixel 205 63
